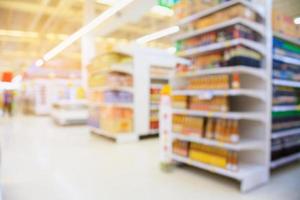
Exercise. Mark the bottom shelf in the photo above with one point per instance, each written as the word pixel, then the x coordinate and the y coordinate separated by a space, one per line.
pixel 244 171
pixel 285 160
pixel 119 138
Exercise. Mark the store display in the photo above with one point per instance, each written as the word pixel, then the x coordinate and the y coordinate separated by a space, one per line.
pixel 235 56
pixel 111 116
pixel 159 76
pixel 209 126
pixel 206 154
pixel 234 32
pixel 214 129
pixel 286 92
pixel 282 23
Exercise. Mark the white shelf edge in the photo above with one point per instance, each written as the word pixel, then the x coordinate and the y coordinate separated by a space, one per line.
pixel 287 83
pixel 243 172
pixel 242 145
pixel 231 92
pixel 253 25
pixel 217 8
pixel 110 88
pixel 120 137
pixel 223 45
pixel 286 38
pixel 285 108
pixel 226 70
pixel 285 133
pixel 224 115
pixel 285 160
pixel 287 59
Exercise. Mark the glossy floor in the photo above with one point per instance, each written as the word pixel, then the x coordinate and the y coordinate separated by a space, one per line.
pixel 41 161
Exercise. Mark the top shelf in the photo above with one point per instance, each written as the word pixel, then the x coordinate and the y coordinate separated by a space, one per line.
pixel 223 45
pixel 253 25
pixel 219 7
pixel 286 38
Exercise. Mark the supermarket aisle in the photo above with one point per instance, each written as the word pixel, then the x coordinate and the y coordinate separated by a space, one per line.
pixel 43 161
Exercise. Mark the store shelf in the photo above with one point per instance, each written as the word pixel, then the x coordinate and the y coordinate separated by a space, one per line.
pixel 244 144
pixel 295 84
pixel 243 172
pixel 112 88
pixel 118 105
pixel 118 137
pixel 225 70
pixel 286 38
pixel 285 108
pixel 224 115
pixel 285 133
pixel 253 25
pixel 285 160
pixel 220 7
pixel 287 59
pixel 208 94
pixel 223 45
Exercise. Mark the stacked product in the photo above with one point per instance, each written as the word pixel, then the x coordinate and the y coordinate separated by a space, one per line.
pixel 154 99
pixel 214 101
pixel 111 95
pixel 235 56
pixel 214 156
pixel 234 32
pixel 285 147
pixel 159 76
pixel 282 23
pixel 286 93
pixel 222 130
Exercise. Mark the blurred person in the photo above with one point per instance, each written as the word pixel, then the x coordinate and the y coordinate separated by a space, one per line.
pixel 8 98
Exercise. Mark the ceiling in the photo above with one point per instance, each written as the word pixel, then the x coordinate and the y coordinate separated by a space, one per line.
pixel 30 28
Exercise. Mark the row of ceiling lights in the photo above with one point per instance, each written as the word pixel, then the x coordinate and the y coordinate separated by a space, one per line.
pixel 116 7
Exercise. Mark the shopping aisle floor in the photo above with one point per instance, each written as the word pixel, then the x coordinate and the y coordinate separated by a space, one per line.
pixel 41 161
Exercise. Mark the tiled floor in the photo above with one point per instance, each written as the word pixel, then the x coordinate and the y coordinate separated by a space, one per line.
pixel 41 161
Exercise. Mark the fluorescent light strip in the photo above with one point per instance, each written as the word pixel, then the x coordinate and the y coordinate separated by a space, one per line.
pixel 85 29
pixel 297 20
pixel 157 35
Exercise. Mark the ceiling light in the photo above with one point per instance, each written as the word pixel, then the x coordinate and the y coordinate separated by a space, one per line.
pixel 161 10
pixel 157 35
pixel 39 63
pixel 86 29
pixel 14 33
pixel 297 20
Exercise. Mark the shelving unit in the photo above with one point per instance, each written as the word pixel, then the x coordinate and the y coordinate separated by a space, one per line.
pixel 248 101
pixel 159 76
pixel 142 61
pixel 285 138
pixel 67 112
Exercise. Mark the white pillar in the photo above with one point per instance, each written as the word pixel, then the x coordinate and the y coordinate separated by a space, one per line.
pixel 88 42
